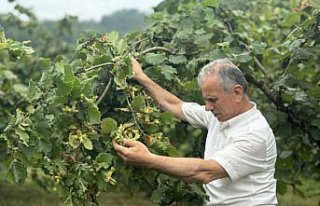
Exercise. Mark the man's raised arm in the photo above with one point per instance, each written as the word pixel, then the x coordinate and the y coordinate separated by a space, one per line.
pixel 165 99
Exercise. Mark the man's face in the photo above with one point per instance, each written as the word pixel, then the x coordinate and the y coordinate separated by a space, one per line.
pixel 222 104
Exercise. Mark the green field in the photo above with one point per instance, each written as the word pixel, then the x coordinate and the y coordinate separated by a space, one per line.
pixel 31 195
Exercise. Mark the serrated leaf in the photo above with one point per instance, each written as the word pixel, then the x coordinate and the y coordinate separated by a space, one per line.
pixel 19 171
pixel 108 125
pixel 168 71
pixel 155 59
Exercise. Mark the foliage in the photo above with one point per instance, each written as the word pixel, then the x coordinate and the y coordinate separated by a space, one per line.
pixel 83 102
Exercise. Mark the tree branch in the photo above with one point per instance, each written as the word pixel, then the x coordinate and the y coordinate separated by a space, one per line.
pixel 280 106
pixel 156 49
pixel 134 44
pixel 99 65
pixel 104 91
pixel 134 116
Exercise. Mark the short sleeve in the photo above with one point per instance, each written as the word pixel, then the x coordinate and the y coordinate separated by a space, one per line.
pixel 196 114
pixel 246 155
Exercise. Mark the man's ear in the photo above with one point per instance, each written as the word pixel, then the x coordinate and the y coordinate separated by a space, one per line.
pixel 238 92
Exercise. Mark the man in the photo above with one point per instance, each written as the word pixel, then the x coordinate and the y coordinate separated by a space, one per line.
pixel 240 150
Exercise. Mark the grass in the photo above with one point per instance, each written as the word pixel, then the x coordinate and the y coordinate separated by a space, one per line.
pixel 31 195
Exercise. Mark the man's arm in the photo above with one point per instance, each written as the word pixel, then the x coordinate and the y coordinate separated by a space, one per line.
pixel 165 99
pixel 187 169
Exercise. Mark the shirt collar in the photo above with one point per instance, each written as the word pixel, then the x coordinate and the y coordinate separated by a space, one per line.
pixel 238 118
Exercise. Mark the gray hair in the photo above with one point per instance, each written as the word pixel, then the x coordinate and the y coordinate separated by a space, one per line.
pixel 228 73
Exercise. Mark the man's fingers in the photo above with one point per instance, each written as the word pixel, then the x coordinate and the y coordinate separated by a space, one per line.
pixel 117 146
pixel 129 142
pixel 134 61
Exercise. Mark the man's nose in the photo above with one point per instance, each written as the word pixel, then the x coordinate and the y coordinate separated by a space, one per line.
pixel 209 107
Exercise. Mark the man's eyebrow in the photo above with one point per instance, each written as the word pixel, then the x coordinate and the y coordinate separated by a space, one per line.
pixel 211 98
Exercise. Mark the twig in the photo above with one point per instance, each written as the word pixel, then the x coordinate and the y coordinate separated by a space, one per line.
pixel 230 27
pixel 104 91
pixel 261 68
pixel 156 49
pixel 134 116
pixel 99 65
pixel 134 44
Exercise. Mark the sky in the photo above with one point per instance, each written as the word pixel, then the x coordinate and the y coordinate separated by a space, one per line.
pixel 84 9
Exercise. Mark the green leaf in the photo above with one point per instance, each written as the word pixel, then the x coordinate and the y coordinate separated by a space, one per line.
pixel 2 36
pixel 167 118
pixel 94 115
pixel 19 171
pixel 285 154
pixel 63 89
pixel 291 19
pixel 34 92
pixel 108 125
pixel 104 160
pixel 45 146
pixel 20 89
pixel 23 135
pixel 46 63
pixel 113 37
pixel 155 59
pixel 121 46
pixel 74 141
pixel 281 187
pixel 168 71
pixel 87 143
pixel 258 47
pixel 9 75
pixel 68 74
pixel 243 58
pixel 210 3
pixel 138 102
pixel 177 59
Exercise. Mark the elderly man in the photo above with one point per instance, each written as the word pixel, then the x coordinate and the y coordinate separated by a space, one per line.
pixel 240 150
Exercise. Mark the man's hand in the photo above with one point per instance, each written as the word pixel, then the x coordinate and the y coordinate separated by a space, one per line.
pixel 134 153
pixel 137 70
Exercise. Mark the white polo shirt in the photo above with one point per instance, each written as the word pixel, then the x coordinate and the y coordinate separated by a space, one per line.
pixel 245 147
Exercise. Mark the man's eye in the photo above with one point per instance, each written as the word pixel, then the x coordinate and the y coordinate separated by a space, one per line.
pixel 212 100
